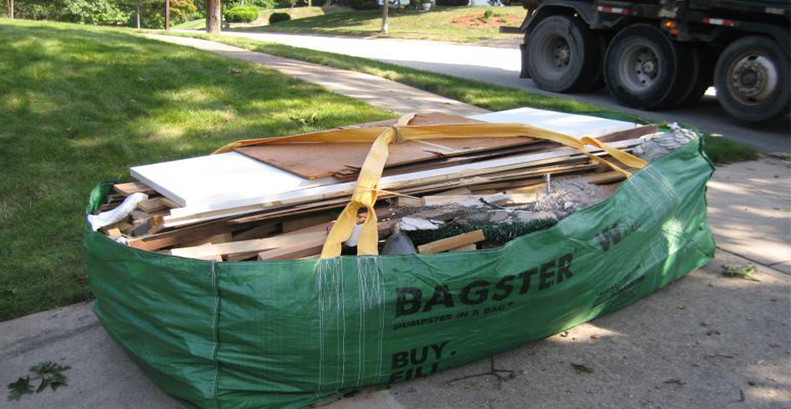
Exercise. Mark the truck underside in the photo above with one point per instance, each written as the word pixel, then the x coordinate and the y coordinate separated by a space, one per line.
pixel 664 54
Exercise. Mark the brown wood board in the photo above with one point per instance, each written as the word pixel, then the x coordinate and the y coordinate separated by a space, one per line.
pixel 313 161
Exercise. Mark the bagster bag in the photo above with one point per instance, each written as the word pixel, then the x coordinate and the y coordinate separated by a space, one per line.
pixel 285 334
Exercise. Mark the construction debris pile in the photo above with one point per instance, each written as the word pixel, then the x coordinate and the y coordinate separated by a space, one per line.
pixel 279 201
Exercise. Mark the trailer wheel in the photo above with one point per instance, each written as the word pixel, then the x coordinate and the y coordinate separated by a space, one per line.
pixel 645 69
pixel 752 79
pixel 703 74
pixel 564 55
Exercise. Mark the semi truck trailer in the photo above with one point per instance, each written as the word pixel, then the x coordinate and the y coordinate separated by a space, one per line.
pixel 658 54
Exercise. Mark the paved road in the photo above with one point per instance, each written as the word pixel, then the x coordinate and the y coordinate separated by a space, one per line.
pixel 500 65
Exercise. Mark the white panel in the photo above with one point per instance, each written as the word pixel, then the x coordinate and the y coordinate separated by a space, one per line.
pixel 569 124
pixel 218 178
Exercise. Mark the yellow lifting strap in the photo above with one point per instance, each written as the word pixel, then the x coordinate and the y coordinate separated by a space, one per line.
pixel 366 191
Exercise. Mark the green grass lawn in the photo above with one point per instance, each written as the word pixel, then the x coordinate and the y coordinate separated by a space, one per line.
pixel 263 16
pixel 79 105
pixel 455 24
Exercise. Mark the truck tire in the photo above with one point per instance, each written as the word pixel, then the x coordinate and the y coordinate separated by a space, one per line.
pixel 564 55
pixel 752 79
pixel 646 69
pixel 702 72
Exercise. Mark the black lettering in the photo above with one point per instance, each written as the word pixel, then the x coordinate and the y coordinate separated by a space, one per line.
pixel 564 263
pixel 482 294
pixel 611 235
pixel 615 234
pixel 423 357
pixel 438 349
pixel 504 287
pixel 405 305
pixel 526 276
pixel 400 360
pixel 546 273
pixel 441 296
pixel 395 376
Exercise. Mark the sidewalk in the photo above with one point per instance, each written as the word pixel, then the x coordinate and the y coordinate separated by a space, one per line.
pixel 706 341
pixel 376 91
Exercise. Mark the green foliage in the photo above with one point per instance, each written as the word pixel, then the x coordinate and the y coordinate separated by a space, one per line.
pixel 152 13
pixel 262 4
pixel 582 369
pixel 18 388
pixel 723 151
pixel 488 14
pixel 107 12
pixel 364 4
pixel 242 14
pixel 75 11
pixel 278 17
pixel 49 374
pixel 736 271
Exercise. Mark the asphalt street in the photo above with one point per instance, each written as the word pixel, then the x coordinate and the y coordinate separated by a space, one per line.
pixel 500 65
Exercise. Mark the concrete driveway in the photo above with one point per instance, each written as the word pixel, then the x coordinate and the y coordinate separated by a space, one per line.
pixel 500 65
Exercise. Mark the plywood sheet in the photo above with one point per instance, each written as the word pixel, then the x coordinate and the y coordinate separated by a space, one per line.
pixel 569 124
pixel 218 178
pixel 343 159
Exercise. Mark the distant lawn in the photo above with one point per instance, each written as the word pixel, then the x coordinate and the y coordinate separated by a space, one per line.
pixel 455 24
pixel 263 16
pixel 81 104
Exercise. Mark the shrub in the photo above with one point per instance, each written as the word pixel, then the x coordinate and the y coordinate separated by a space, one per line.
pixel 364 4
pixel 263 4
pixel 453 3
pixel 242 14
pixel 488 14
pixel 278 17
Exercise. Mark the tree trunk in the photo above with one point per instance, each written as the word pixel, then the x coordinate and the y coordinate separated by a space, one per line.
pixel 385 4
pixel 10 5
pixel 167 15
pixel 213 21
pixel 137 15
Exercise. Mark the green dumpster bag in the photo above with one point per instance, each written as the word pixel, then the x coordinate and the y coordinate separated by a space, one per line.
pixel 286 334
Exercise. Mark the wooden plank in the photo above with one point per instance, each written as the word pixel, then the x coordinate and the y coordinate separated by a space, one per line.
pixel 169 203
pixel 345 159
pixel 125 227
pixel 242 256
pixel 293 224
pixel 406 201
pixel 458 191
pixel 185 216
pixel 152 205
pixel 451 242
pixel 176 237
pixel 258 232
pixel 216 239
pixel 127 189
pixel 629 133
pixel 468 247
pixel 420 189
pixel 246 246
pixel 114 232
pixel 139 214
pixel 306 248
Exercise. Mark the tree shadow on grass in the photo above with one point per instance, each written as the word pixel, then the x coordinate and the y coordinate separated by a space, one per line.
pixel 83 105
